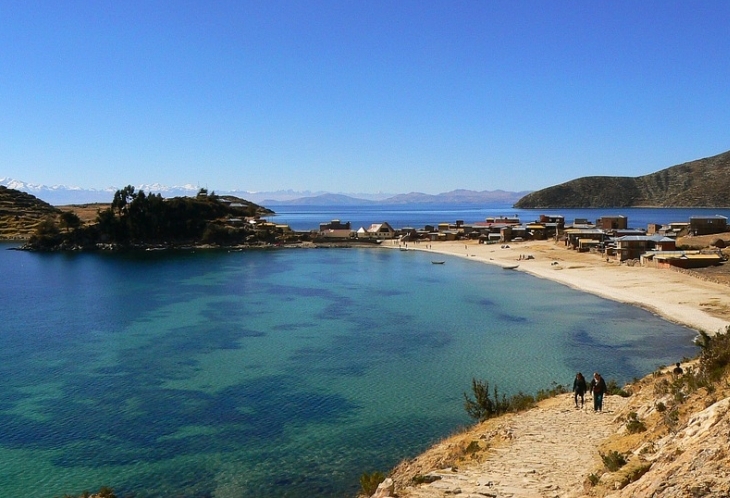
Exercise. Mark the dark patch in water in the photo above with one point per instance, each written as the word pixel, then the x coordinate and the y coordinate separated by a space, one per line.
pixel 505 317
pixel 486 303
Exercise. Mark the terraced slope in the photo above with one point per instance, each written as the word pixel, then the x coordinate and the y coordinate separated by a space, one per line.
pixel 20 214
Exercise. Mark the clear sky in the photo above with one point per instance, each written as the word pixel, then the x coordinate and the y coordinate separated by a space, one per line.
pixel 359 96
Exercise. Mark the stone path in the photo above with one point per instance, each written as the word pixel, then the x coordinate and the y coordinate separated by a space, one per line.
pixel 549 453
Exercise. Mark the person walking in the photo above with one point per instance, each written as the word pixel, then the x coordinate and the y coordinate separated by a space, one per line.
pixel 598 389
pixel 579 389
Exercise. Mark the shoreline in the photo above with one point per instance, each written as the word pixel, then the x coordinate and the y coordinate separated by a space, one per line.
pixel 676 297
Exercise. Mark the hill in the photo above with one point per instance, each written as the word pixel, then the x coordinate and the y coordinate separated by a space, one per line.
pixel 700 183
pixel 20 213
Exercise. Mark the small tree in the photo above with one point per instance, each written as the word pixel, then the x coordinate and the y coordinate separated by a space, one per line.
pixel 69 220
pixel 483 406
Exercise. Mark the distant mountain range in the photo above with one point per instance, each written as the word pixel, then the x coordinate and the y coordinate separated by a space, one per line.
pixel 59 195
pixel 701 183
pixel 461 197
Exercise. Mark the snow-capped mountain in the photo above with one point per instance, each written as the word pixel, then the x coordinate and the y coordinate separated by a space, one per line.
pixel 59 195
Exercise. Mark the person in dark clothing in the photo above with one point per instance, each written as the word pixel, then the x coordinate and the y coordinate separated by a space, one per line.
pixel 598 388
pixel 677 370
pixel 579 389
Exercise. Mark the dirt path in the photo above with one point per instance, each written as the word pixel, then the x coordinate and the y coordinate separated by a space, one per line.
pixel 544 452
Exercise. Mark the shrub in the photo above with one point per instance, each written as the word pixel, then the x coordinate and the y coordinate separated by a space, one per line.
pixel 552 392
pixel 369 482
pixel 593 479
pixel 715 355
pixel 521 402
pixel 661 407
pixel 613 460
pixel 639 471
pixel 472 448
pixel 661 387
pixel 483 406
pixel 613 388
pixel 633 424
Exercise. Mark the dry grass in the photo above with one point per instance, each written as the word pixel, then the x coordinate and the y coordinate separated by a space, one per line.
pixel 22 223
pixel 638 447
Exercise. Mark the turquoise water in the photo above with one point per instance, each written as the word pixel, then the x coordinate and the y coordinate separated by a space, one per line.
pixel 275 373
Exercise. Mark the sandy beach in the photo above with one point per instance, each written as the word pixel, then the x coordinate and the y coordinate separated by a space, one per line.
pixel 678 297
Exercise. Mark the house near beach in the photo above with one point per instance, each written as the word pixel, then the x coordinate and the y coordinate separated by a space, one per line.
pixel 579 238
pixel 680 259
pixel 634 246
pixel 376 231
pixel 335 230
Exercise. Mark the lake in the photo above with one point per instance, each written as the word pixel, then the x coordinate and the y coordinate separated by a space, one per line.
pixel 417 216
pixel 276 373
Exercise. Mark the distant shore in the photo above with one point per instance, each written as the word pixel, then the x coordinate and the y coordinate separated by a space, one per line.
pixel 677 297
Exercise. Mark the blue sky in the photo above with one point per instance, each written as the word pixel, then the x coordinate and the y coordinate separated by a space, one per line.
pixel 359 96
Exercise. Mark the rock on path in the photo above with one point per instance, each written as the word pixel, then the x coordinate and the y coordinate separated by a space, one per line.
pixel 549 453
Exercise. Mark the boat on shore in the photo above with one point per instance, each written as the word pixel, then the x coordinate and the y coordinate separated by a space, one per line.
pixel 510 267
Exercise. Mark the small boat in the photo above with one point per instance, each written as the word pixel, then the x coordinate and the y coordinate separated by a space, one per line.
pixel 437 262
pixel 510 267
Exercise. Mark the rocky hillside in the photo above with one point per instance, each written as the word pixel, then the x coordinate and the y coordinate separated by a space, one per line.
pixel 700 183
pixel 20 214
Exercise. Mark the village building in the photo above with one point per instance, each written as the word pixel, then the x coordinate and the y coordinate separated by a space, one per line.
pixel 376 231
pixel 536 231
pixel 583 239
pixel 335 230
pixel 681 259
pixel 612 222
pixel 502 220
pixel 553 218
pixel 707 225
pixel 634 246
pixel 581 224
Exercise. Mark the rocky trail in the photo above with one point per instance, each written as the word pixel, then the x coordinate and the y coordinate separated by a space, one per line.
pixel 544 452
